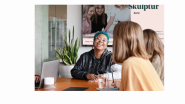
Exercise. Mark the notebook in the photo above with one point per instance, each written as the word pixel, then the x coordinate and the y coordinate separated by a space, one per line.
pixel 76 89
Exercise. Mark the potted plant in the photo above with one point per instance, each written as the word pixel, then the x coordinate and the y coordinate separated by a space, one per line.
pixel 68 55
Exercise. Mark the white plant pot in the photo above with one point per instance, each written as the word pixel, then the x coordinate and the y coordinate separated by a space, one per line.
pixel 60 60
pixel 65 70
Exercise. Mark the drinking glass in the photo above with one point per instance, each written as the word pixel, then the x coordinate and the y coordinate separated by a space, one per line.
pixel 102 80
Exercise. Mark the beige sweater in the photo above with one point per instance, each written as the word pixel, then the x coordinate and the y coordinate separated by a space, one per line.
pixel 139 74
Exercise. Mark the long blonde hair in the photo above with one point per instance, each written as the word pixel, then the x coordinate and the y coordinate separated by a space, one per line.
pixel 95 15
pixel 86 9
pixel 154 45
pixel 128 41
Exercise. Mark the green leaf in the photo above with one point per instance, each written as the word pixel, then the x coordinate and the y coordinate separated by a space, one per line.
pixel 64 39
pixel 73 36
pixel 75 46
pixel 60 51
pixel 59 57
pixel 72 41
pixel 69 36
pixel 65 52
pixel 79 44
pixel 65 61
pixel 72 52
pixel 57 53
pixel 68 59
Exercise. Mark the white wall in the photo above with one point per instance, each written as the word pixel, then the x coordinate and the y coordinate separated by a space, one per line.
pixel 74 17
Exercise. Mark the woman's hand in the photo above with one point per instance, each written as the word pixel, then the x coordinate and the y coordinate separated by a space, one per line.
pixel 37 79
pixel 116 83
pixel 91 76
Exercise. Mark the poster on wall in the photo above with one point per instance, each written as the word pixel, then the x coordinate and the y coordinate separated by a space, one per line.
pixel 104 17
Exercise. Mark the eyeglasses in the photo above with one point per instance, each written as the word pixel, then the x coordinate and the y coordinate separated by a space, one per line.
pixel 98 38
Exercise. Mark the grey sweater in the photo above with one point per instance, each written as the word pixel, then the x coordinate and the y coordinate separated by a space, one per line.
pixel 160 69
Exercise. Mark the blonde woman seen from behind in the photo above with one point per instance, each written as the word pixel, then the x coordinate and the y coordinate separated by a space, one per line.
pixel 138 74
pixel 155 48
